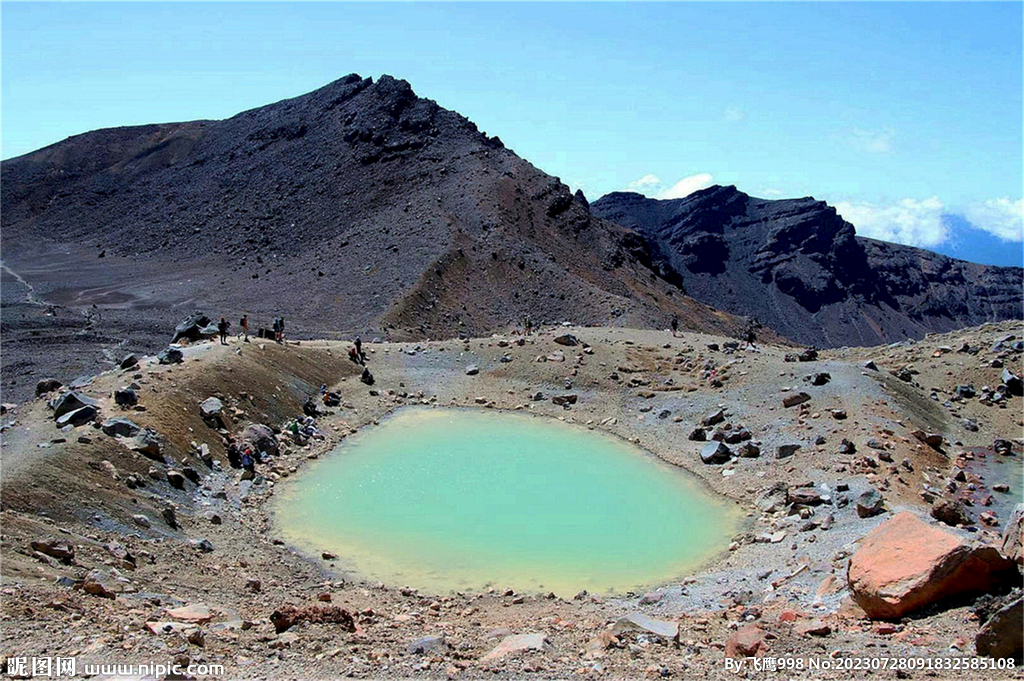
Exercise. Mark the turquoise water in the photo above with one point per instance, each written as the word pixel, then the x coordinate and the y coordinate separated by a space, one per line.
pixel 448 499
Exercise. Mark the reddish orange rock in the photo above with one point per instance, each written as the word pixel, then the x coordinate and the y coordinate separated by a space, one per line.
pixel 788 616
pixel 905 563
pixel 814 627
pixel 746 641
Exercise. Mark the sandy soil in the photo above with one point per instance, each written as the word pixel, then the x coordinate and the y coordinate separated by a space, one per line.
pixel 74 486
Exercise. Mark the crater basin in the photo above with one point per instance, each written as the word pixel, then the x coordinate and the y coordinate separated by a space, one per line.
pixel 451 499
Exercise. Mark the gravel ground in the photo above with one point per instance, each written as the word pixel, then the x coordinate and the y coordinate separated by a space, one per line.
pixel 79 491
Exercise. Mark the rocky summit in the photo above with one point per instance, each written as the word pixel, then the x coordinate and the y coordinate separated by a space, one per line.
pixel 797 267
pixel 357 208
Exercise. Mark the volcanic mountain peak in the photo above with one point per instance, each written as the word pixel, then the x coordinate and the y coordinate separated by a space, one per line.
pixel 358 207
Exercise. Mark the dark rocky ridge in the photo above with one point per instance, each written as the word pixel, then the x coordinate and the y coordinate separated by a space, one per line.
pixel 356 208
pixel 796 266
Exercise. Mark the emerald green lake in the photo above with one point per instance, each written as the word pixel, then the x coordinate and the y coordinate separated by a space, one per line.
pixel 449 499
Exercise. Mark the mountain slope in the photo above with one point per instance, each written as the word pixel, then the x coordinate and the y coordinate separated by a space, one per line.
pixel 358 207
pixel 796 266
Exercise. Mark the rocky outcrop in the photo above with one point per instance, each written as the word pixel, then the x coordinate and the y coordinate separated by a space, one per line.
pixel 797 267
pixel 905 564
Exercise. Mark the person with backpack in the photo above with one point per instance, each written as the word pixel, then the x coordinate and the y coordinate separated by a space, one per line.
pixel 244 323
pixel 222 328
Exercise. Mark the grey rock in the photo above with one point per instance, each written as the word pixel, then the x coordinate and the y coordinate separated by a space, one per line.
pixel 170 517
pixel 211 409
pixel 170 355
pixel 261 437
pixel 794 399
pixel 47 385
pixel 202 545
pixel 636 622
pixel 786 450
pixel 1002 636
pixel 1013 383
pixel 70 401
pixel 147 443
pixel 714 418
pixel 952 512
pixel 126 397
pixel 195 327
pixel 870 503
pixel 120 427
pixel 176 478
pixel 428 645
pixel 715 453
pixel 78 417
pixel 472 370
pixel 749 450
pixel 61 550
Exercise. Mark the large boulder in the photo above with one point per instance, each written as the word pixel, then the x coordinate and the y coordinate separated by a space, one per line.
pixel 47 385
pixel 905 564
pixel 71 401
pixel 952 512
pixel 195 327
pixel 212 409
pixel 120 427
pixel 55 548
pixel 170 355
pixel 126 397
pixel 147 443
pixel 78 417
pixel 261 437
pixel 1001 636
pixel 870 503
pixel 1013 383
pixel 1013 536
pixel 715 453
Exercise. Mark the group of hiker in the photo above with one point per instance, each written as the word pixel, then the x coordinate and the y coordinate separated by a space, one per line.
pixel 245 456
pixel 224 326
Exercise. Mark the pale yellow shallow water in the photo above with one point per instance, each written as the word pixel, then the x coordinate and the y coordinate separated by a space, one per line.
pixel 448 499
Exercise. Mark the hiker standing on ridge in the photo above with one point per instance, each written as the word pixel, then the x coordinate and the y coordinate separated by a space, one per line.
pixel 222 327
pixel 280 329
pixel 244 323
pixel 359 350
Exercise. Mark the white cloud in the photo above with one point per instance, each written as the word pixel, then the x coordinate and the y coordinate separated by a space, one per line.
pixel 645 183
pixel 733 114
pixel 651 185
pixel 1002 217
pixel 873 141
pixel 771 192
pixel 914 222
pixel 686 186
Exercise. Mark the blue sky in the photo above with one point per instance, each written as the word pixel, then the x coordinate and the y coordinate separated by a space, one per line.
pixel 907 117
